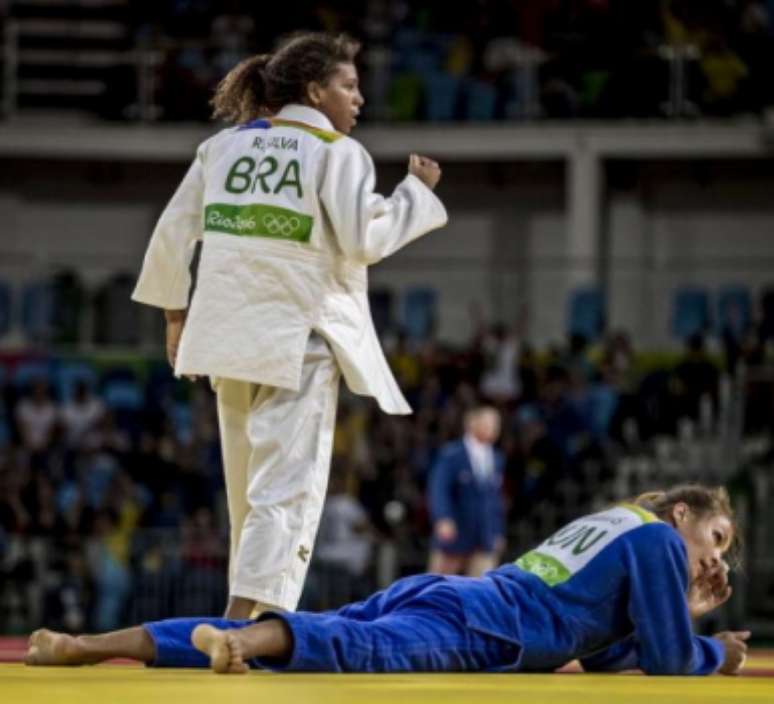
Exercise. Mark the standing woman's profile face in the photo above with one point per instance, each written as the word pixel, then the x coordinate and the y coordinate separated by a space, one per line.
pixel 339 98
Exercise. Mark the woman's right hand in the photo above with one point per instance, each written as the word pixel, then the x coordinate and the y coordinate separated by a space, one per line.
pixel 709 591
pixel 426 170
pixel 175 321
pixel 736 650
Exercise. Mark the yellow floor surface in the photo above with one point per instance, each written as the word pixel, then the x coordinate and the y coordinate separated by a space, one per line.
pixel 119 684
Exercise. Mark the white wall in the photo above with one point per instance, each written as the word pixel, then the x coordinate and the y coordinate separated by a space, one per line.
pixel 679 230
pixel 504 248
pixel 456 261
pixel 95 238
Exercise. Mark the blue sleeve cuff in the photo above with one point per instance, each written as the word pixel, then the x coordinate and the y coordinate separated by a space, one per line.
pixel 714 655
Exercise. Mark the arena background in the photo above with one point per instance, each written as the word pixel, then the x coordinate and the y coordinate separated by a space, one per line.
pixel 605 279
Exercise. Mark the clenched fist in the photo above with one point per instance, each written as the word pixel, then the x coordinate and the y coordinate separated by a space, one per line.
pixel 426 170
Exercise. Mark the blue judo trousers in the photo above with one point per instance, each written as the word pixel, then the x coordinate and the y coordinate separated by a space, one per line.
pixel 609 589
pixel 418 624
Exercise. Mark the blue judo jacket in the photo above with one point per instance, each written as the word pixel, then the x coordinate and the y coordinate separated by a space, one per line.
pixel 609 588
pixel 475 505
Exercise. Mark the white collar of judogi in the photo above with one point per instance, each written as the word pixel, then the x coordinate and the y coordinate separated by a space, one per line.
pixel 305 114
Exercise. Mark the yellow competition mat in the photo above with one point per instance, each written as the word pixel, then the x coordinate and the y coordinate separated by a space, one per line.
pixel 117 684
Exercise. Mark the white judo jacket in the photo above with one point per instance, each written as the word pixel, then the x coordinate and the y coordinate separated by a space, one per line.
pixel 289 222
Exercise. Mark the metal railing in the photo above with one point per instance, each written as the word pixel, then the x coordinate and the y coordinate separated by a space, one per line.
pixel 143 59
pixel 148 55
pixel 88 589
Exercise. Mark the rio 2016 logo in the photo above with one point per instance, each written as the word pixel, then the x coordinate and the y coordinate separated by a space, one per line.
pixel 237 223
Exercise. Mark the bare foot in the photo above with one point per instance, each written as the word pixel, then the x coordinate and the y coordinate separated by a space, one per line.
pixel 50 648
pixel 222 647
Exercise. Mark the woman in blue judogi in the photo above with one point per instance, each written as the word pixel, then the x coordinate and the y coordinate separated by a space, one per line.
pixel 616 589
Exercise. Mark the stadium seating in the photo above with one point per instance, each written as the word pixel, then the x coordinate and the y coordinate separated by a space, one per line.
pixel 734 310
pixel 69 298
pixel 586 313
pixel 690 312
pixel 441 92
pixel 115 322
pixel 121 391
pixel 69 373
pixel 480 101
pixel 6 310
pixel 29 371
pixel 38 311
pixel 380 301
pixel 419 312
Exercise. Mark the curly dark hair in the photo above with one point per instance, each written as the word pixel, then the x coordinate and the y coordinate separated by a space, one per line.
pixel 262 84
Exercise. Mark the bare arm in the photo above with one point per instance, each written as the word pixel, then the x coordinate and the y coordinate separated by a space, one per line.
pixel 175 322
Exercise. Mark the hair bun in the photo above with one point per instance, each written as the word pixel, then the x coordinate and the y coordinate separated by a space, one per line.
pixel 241 95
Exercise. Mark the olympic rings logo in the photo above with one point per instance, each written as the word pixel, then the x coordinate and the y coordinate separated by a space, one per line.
pixel 281 224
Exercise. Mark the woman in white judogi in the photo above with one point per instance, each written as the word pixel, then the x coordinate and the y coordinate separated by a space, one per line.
pixel 289 221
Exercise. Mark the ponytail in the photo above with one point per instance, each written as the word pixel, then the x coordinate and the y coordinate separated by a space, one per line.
pixel 241 96
pixel 655 502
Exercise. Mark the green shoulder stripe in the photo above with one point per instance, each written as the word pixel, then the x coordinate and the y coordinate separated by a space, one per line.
pixel 548 568
pixel 325 135
pixel 645 515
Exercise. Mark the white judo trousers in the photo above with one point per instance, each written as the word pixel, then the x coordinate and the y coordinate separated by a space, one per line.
pixel 277 447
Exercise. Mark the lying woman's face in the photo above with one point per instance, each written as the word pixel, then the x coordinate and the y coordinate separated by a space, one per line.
pixel 706 539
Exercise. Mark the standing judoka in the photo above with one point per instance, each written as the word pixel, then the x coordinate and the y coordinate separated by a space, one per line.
pixel 289 220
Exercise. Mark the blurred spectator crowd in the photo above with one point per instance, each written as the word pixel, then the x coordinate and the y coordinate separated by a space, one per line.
pixel 111 497
pixel 434 60
pixel 111 494
pixel 107 500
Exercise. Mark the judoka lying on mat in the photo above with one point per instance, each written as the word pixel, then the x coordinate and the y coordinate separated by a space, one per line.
pixel 616 589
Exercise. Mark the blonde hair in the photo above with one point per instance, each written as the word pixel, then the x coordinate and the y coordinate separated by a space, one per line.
pixel 703 501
